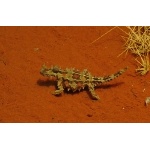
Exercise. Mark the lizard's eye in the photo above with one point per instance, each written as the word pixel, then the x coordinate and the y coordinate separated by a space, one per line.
pixel 55 69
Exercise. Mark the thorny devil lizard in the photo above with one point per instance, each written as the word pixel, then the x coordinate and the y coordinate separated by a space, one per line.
pixel 74 80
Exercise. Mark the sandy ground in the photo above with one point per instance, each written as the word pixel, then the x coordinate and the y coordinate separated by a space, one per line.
pixel 25 95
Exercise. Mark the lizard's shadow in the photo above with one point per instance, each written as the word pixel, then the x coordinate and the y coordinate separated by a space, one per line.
pixel 46 83
pixel 106 86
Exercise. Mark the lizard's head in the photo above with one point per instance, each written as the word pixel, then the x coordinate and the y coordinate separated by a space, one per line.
pixel 49 71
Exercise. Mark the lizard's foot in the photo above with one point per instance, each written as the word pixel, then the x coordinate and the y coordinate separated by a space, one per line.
pixel 95 96
pixel 57 92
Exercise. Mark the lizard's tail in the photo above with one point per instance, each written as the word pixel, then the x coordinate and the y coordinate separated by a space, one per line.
pixel 115 75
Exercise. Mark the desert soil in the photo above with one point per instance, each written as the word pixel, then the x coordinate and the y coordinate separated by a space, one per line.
pixel 25 95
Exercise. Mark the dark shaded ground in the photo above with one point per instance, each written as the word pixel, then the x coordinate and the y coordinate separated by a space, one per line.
pixel 25 95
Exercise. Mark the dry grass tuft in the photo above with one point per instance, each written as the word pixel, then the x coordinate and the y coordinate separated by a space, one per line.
pixel 138 43
pixel 138 40
pixel 144 63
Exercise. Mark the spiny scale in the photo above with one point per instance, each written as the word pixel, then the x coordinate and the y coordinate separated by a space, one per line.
pixel 73 79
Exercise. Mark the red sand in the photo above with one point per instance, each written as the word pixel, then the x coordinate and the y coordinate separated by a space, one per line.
pixel 25 96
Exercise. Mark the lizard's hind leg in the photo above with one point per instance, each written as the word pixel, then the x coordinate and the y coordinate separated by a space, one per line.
pixel 92 92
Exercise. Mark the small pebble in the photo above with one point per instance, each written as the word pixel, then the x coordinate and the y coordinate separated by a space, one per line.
pixel 89 115
pixel 36 49
pixel 147 101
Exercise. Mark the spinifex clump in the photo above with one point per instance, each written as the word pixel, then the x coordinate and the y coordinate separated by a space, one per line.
pixel 138 43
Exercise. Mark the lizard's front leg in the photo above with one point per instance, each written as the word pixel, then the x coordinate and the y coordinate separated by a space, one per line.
pixel 59 85
pixel 60 88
